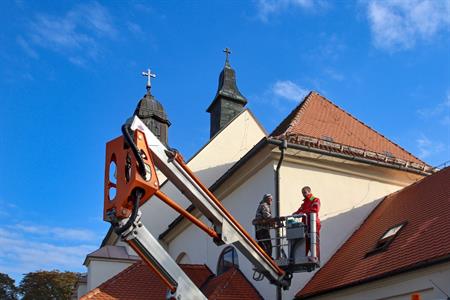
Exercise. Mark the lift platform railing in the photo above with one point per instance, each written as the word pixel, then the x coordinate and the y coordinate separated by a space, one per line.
pixel 298 242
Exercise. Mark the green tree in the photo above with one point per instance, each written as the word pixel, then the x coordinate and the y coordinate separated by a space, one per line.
pixel 8 290
pixel 48 285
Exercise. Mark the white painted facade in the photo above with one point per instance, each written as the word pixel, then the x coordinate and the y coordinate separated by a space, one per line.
pixel 100 270
pixel 348 192
pixel 81 289
pixel 401 287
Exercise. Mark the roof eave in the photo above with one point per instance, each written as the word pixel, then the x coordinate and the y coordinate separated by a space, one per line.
pixel 278 141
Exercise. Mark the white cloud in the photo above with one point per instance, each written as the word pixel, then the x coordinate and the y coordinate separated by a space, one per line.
pixel 428 147
pixel 60 233
pixel 27 248
pixel 400 24
pixel 135 28
pixel 327 49
pixel 23 256
pixel 265 8
pixel 26 47
pixel 440 112
pixel 288 90
pixel 75 34
pixel 7 208
pixel 334 74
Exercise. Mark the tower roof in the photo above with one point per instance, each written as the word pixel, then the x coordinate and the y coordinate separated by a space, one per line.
pixel 227 86
pixel 150 107
pixel 152 113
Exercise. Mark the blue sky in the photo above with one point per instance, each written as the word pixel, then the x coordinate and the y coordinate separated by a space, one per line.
pixel 70 76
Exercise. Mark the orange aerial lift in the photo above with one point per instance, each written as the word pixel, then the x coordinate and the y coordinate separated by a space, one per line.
pixel 136 155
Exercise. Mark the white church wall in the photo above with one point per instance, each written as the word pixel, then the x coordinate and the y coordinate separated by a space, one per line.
pixel 346 200
pixel 81 290
pixel 193 242
pixel 101 270
pixel 400 287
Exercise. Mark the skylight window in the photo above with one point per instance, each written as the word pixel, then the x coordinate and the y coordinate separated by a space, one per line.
pixel 386 239
pixel 393 231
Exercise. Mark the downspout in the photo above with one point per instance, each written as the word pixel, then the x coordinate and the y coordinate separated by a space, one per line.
pixel 282 146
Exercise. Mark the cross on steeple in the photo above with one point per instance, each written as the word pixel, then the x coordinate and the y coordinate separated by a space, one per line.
pixel 148 74
pixel 227 53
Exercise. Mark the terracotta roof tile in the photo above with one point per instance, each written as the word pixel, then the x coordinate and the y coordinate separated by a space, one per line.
pixel 138 282
pixel 425 239
pixel 319 118
pixel 230 285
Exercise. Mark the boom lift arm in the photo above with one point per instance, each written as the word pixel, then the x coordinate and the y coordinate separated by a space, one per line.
pixel 136 155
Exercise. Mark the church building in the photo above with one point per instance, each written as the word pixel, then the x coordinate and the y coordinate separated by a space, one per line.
pixel 352 168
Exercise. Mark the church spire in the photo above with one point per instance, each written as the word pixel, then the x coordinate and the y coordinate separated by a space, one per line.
pixel 152 113
pixel 229 101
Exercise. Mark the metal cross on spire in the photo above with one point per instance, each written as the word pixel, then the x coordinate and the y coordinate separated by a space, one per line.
pixel 149 75
pixel 227 53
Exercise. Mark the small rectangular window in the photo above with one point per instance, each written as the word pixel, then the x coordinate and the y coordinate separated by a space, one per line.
pixel 386 239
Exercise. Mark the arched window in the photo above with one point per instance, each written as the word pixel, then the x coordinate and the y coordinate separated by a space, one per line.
pixel 227 259
pixel 183 258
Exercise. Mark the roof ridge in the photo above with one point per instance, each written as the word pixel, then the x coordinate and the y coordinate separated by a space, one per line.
pixel 292 114
pixel 91 293
pixel 301 110
pixel 193 265
pixel 370 128
pixel 249 282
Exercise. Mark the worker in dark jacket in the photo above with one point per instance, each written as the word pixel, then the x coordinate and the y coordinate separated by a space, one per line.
pixel 262 221
pixel 309 205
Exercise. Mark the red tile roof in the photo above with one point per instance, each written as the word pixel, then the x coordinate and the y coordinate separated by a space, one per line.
pixel 424 240
pixel 138 282
pixel 321 124
pixel 230 285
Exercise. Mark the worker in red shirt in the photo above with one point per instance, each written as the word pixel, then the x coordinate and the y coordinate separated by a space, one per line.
pixel 310 204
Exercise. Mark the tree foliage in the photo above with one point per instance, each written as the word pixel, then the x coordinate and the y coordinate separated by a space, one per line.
pixel 48 285
pixel 8 290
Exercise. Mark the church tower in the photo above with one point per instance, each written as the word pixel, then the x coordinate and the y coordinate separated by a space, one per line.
pixel 152 113
pixel 228 101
